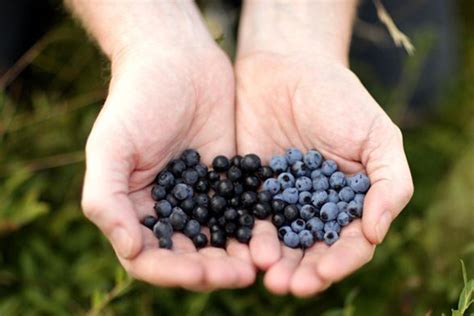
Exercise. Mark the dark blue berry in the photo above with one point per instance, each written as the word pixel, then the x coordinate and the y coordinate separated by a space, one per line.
pixel 264 173
pixel 230 214
pixel 230 228
pixel 200 240
pixel 201 199
pixel 261 210
pixel 177 166
pixel 218 239
pixel 162 229
pixel 234 173
pixel 178 219
pixel 190 157
pixel 243 234
pixel 250 163
pixel 166 179
pixel 201 214
pixel 171 199
pixel 220 164
pixel 190 176
pixel 235 161
pixel 201 169
pixel 225 188
pixel 165 242
pixel 163 208
pixel 182 191
pixel 278 220
pixel 192 228
pixel 217 204
pixel 158 192
pixel 283 230
pixel 251 182
pixel 264 196
pixel 149 221
pixel 278 206
pixel 291 212
pixel 246 220
pixel 248 198
pixel 213 176
pixel 202 186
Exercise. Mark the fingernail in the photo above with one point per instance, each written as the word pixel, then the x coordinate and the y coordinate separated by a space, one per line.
pixel 382 225
pixel 122 242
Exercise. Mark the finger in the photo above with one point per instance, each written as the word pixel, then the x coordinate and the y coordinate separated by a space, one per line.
pixel 165 268
pixel 105 198
pixel 246 269
pixel 277 279
pixel 392 187
pixel 264 246
pixel 346 255
pixel 306 281
pixel 220 271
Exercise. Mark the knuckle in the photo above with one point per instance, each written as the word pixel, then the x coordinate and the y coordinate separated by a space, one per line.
pixel 91 207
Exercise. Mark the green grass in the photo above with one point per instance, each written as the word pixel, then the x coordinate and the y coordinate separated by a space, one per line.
pixel 54 262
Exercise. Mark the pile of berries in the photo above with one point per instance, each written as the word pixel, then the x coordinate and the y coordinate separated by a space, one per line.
pixel 224 199
pixel 312 200
pixel 306 196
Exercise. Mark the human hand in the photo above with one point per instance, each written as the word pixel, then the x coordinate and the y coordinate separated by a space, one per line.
pixel 306 101
pixel 163 99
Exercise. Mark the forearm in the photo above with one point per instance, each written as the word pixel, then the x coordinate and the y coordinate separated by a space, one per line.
pixel 119 25
pixel 321 27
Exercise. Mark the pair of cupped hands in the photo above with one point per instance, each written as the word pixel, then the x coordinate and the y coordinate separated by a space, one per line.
pixel 162 101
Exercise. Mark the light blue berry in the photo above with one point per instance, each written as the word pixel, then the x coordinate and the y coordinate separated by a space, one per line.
pixel 287 180
pixel 306 238
pixel 342 206
pixel 330 237
pixel 278 164
pixel 314 224
pixel 299 169
pixel 360 183
pixel 337 180
pixel 343 219
pixel 321 183
pixel 328 167
pixel 304 198
pixel 319 198
pixel 307 212
pixel 293 155
pixel 354 209
pixel 346 194
pixel 316 173
pixel 291 239
pixel 298 225
pixel 329 212
pixel 313 159
pixel 290 195
pixel 272 185
pixel 333 196
pixel 319 234
pixel 359 198
pixel 282 231
pixel 303 184
pixel 332 226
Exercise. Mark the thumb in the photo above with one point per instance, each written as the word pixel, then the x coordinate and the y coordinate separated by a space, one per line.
pixel 391 189
pixel 105 198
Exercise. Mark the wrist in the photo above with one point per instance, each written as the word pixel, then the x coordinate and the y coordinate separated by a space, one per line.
pixel 298 27
pixel 123 26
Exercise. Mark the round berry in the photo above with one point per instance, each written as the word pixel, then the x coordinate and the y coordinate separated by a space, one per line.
pixel 166 179
pixel 346 194
pixel 192 228
pixel 303 184
pixel 246 220
pixel 304 198
pixel 201 214
pixel 202 185
pixel 291 239
pixel 299 169
pixel 319 198
pixel 149 221
pixel 235 161
pixel 359 198
pixel 307 212
pixel 201 199
pixel 158 192
pixel 200 240
pixel 261 210
pixel 213 176
pixel 178 219
pixel 332 226
pixel 278 206
pixel 328 167
pixel 243 234
pixel 272 185
pixel 177 166
pixel 230 228
pixel 278 220
pixel 360 183
pixel 162 229
pixel 287 180
pixel 230 214
pixel 291 212
pixel 225 188
pixel 234 173
pixel 217 204
pixel 321 183
pixel 234 201
pixel 250 163
pixel 238 188
pixel 278 164
pixel 313 159
pixel 293 155
pixel 190 176
pixel 182 191
pixel 171 199
pixel 220 164
pixel 330 237
pixel 248 198
pixel 190 157
pixel 165 242
pixel 163 208
pixel 251 182
pixel 187 205
pixel 218 238
pixel 342 206
pixel 314 225
pixel 264 173
pixel 298 225
pixel 306 239
pixel 264 196
pixel 354 209
pixel 283 230
pixel 329 211
pixel 290 195
pixel 201 169
pixel 337 180
pixel 343 219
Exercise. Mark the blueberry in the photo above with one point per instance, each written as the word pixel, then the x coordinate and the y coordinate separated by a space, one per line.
pixel 320 183
pixel 278 196
pixel 246 220
pixel 178 219
pixel 262 210
pixel 218 239
pixel 306 238
pixel 234 173
pixel 313 159
pixel 242 211
pixel 230 228
pixel 251 182
pixel 243 234
pixel 202 186
pixel 192 228
pixel 230 214
pixel 171 199
pixel 264 173
pixel 314 225
pixel 316 173
pixel 213 176
pixel 354 209
pixel 278 206
pixel 201 199
pixel 264 196
pixel 346 194
pixel 248 198
pixel 162 229
pixel 278 164
pixel 299 169
pixel 283 230
pixel 290 195
pixel 166 179
pixel 190 157
pixel 359 198
pixel 212 221
pixel 177 166
pixel 163 208
pixel 332 226
pixel 220 164
pixel 214 228
pixel 329 211
pixel 190 176
pixel 333 196
pixel 343 219
pixel 201 214
pixel 298 225
pixel 360 183
pixel 182 191
pixel 319 198
pixel 272 185
pixel 235 161
pixel 238 188
pixel 201 169
pixel 278 219
pixel 328 167
pixel 319 234
pixel 304 197
pixel 165 242
pixel 225 188
pixel 158 192
pixel 330 237
pixel 291 212
pixel 337 180
pixel 217 204
pixel 149 221
pixel 291 239
pixel 307 212
pixel 200 240
pixel 303 184
pixel 234 201
pixel 250 163
pixel 342 206
pixel 293 155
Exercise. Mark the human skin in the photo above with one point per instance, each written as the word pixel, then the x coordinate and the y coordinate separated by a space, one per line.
pixel 172 88
pixel 295 89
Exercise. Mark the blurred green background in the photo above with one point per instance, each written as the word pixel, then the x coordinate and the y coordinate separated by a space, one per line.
pixel 54 262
